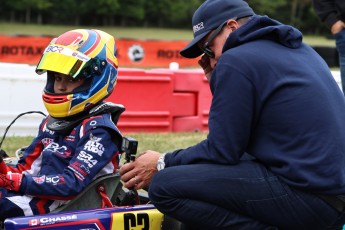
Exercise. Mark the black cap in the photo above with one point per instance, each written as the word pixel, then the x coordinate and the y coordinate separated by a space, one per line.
pixel 210 15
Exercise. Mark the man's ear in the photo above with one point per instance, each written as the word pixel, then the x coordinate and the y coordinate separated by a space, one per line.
pixel 232 24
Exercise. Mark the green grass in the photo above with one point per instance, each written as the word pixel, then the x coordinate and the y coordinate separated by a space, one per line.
pixel 318 41
pixel 161 142
pixel 11 144
pixel 124 32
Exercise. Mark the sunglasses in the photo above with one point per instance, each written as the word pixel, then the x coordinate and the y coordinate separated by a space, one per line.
pixel 205 48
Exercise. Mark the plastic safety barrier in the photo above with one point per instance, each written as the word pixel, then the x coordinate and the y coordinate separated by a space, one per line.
pixel 159 101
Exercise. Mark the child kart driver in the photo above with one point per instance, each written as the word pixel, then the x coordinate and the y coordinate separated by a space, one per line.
pixel 79 140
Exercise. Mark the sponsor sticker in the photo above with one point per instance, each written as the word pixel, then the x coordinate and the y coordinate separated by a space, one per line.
pixel 67 52
pixel 39 180
pixel 52 220
pixel 94 145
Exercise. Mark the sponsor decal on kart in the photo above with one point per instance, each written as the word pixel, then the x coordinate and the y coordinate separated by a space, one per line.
pixel 51 220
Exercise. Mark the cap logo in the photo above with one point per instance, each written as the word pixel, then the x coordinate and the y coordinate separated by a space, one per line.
pixel 198 27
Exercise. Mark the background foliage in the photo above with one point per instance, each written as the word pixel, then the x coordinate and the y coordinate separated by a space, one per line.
pixel 146 13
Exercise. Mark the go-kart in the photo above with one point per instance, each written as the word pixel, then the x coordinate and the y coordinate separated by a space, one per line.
pixel 104 204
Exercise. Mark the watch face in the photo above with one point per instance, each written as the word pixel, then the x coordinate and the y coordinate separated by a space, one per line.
pixel 160 166
pixel 160 162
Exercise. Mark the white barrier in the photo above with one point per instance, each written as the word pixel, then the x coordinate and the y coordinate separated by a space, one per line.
pixel 21 91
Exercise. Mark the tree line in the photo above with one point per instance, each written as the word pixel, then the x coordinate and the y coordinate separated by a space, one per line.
pixel 147 13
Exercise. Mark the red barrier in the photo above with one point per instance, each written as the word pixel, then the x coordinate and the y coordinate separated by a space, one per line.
pixel 161 100
pixel 147 98
pixel 130 52
pixel 193 81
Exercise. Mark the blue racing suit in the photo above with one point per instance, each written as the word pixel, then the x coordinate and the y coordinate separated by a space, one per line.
pixel 58 167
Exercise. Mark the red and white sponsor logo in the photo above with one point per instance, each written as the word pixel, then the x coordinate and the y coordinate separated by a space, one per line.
pixel 50 220
pixel 34 222
pixel 46 141
pixel 39 180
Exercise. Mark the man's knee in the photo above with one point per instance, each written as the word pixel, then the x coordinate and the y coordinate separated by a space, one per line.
pixel 155 188
pixel 161 192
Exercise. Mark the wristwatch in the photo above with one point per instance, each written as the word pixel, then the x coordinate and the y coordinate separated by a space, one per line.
pixel 160 162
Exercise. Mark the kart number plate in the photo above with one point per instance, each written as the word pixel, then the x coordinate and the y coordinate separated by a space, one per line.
pixel 137 220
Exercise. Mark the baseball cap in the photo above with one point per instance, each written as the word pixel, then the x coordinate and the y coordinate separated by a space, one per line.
pixel 210 15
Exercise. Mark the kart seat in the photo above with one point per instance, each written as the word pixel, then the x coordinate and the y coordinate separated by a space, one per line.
pixel 98 194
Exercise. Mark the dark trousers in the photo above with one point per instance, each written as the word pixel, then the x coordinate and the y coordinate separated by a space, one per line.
pixel 243 196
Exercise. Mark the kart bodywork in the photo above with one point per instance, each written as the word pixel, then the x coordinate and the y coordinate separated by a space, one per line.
pixel 124 218
pixel 104 204
pixel 118 208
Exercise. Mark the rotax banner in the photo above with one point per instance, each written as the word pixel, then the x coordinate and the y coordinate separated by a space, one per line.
pixel 130 52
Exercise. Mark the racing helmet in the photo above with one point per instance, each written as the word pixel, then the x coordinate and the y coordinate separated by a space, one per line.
pixel 81 53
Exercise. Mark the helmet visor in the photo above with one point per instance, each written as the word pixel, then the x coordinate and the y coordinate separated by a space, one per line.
pixel 62 59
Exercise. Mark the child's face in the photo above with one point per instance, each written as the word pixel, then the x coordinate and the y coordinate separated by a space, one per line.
pixel 65 83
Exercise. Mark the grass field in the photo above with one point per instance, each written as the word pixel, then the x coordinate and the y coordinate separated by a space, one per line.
pixel 160 142
pixel 121 32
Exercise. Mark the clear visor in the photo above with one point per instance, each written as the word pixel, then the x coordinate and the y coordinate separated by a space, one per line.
pixel 62 59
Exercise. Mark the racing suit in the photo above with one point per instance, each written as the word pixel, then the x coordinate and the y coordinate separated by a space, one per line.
pixel 58 167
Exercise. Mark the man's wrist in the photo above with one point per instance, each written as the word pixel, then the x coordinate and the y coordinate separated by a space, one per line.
pixel 161 162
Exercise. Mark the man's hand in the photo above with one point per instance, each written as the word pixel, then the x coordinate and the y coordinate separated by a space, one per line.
pixel 11 181
pixel 138 174
pixel 337 27
pixel 205 64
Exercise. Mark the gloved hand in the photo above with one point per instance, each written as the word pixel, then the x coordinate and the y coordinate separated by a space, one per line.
pixel 11 181
pixel 3 169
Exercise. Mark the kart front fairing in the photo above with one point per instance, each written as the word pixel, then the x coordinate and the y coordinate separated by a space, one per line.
pixel 122 218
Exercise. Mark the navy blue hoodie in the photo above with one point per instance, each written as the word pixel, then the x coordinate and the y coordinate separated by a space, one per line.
pixel 274 98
